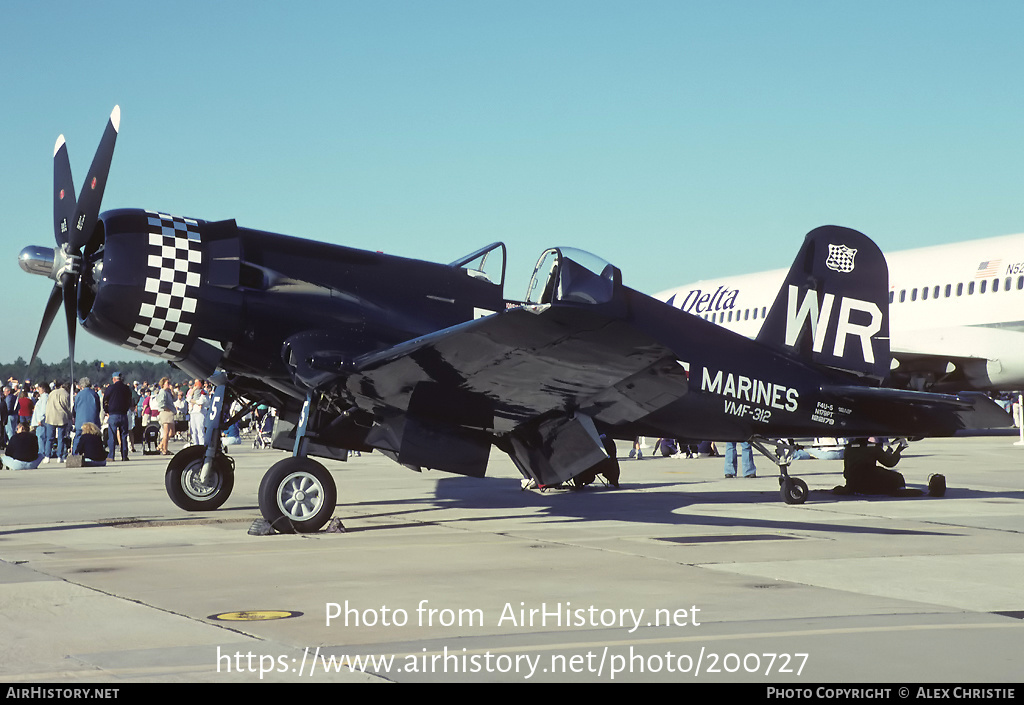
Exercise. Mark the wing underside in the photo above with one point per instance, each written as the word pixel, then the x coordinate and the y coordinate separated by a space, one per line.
pixel 504 370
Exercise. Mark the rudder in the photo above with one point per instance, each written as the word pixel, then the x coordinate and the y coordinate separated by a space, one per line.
pixel 833 308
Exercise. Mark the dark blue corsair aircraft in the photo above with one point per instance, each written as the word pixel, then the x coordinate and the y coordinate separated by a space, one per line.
pixel 432 365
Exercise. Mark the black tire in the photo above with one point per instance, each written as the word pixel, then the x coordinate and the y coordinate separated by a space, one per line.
pixel 794 491
pixel 610 467
pixel 297 496
pixel 936 485
pixel 182 480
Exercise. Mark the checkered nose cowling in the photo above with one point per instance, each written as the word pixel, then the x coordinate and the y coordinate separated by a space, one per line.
pixel 168 306
pixel 146 291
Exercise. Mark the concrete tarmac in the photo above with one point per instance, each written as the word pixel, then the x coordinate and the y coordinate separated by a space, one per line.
pixel 679 575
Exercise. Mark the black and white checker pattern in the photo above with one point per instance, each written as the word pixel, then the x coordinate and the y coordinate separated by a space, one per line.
pixel 173 272
pixel 840 258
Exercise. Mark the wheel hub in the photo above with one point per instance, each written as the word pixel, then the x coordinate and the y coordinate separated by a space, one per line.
pixel 193 484
pixel 300 496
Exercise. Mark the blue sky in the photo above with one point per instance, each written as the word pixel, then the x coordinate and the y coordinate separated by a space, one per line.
pixel 679 140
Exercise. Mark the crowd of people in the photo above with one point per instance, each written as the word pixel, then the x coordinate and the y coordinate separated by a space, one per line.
pixel 102 421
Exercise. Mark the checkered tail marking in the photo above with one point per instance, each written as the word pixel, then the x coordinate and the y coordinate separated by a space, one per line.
pixel 173 273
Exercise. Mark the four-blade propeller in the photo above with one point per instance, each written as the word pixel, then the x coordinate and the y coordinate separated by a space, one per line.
pixel 73 223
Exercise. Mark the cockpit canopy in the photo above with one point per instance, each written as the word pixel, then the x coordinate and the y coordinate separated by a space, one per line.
pixel 566 274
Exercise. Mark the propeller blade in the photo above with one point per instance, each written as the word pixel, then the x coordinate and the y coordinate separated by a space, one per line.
pixel 64 200
pixel 52 304
pixel 71 315
pixel 88 208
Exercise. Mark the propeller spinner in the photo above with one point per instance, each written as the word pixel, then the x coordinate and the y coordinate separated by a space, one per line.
pixel 73 224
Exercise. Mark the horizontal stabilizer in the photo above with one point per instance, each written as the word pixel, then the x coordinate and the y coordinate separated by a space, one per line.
pixel 970 410
pixel 855 393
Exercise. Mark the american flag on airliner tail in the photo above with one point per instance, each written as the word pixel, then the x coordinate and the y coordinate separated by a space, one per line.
pixel 988 268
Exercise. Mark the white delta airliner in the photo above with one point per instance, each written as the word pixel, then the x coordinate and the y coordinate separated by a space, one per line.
pixel 956 313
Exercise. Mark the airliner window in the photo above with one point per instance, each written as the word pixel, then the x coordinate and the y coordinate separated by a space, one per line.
pixel 984 283
pixel 1020 282
pixel 935 293
pixel 913 294
pixel 960 289
pixel 1007 283
pixel 995 285
pixel 924 294
pixel 903 295
pixel 970 288
pixel 892 295
pixel 949 289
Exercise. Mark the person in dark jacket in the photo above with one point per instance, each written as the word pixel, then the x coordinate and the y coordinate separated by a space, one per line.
pixel 22 450
pixel 863 470
pixel 91 445
pixel 116 402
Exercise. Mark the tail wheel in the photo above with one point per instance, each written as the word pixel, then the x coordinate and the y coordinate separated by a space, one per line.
pixel 793 490
pixel 186 489
pixel 297 496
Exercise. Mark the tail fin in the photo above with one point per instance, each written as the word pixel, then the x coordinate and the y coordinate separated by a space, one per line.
pixel 833 308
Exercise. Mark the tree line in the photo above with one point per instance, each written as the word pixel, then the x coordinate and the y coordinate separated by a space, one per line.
pixel 96 370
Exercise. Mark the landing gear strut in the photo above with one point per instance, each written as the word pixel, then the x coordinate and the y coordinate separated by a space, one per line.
pixel 298 495
pixel 200 478
pixel 793 490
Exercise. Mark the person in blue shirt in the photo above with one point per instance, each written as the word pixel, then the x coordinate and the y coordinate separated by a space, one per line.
pixel 86 408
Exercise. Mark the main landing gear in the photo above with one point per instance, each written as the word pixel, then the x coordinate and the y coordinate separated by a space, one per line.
pixel 186 485
pixel 200 478
pixel 297 494
pixel 793 490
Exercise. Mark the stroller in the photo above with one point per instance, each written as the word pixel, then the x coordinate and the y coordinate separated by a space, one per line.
pixel 263 425
pixel 151 439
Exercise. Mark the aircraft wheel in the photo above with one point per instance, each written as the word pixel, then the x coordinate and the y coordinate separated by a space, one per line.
pixel 793 491
pixel 610 467
pixel 297 496
pixel 184 487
